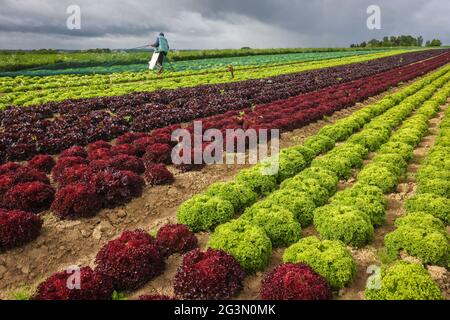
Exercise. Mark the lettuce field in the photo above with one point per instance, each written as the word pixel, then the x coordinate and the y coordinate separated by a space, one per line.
pixel 358 208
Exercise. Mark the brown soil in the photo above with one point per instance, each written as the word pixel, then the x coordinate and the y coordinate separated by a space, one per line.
pixel 64 243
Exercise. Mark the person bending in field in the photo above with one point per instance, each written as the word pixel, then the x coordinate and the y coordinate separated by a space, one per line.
pixel 162 46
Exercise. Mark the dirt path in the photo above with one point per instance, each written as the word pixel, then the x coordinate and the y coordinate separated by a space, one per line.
pixel 65 243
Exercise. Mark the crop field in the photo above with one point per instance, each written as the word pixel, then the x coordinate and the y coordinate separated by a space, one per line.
pixel 358 207
pixel 16 90
pixel 195 64
pixel 20 60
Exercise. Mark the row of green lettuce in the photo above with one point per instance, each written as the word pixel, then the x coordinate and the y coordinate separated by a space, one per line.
pixel 351 214
pixel 422 232
pixel 122 84
pixel 251 243
pixel 347 220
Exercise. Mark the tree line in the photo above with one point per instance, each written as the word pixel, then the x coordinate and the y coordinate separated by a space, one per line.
pixel 400 41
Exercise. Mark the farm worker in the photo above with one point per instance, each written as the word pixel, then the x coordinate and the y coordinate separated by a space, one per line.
pixel 162 47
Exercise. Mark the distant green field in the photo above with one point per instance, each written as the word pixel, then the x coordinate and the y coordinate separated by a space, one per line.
pixel 188 65
pixel 20 60
pixel 27 91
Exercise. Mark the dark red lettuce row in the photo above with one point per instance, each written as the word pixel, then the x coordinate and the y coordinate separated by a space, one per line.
pixel 18 228
pixel 298 111
pixel 63 286
pixel 76 200
pixel 209 275
pixel 42 162
pixel 175 238
pixel 84 185
pixel 24 188
pixel 130 260
pixel 127 263
pixel 291 281
pixel 30 131
pixel 29 196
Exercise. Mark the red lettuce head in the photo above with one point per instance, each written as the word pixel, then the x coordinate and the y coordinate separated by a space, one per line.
pixel 158 153
pixel 20 175
pixel 30 196
pixel 100 154
pixel 130 137
pixel 99 165
pixel 175 238
pixel 75 174
pixel 129 163
pixel 92 286
pixel 157 174
pixel 18 228
pixel 166 130
pixel 100 144
pixel 75 151
pixel 117 187
pixel 131 260
pixel 128 149
pixel 42 162
pixel 6 182
pixel 163 138
pixel 142 144
pixel 291 281
pixel 9 167
pixel 64 163
pixel 210 275
pixel 75 201
pixel 26 174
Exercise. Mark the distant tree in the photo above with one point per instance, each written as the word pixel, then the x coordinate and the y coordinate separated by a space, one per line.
pixel 395 41
pixel 44 51
pixel 386 42
pixel 98 50
pixel 399 41
pixel 434 43
pixel 246 48
pixel 374 43
pixel 420 41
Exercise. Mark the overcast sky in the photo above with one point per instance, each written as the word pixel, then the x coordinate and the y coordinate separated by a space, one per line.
pixel 32 24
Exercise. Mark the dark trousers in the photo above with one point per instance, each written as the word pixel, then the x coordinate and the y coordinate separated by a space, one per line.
pixel 161 58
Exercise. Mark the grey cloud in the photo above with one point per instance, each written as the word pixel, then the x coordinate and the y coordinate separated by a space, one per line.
pixel 216 23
